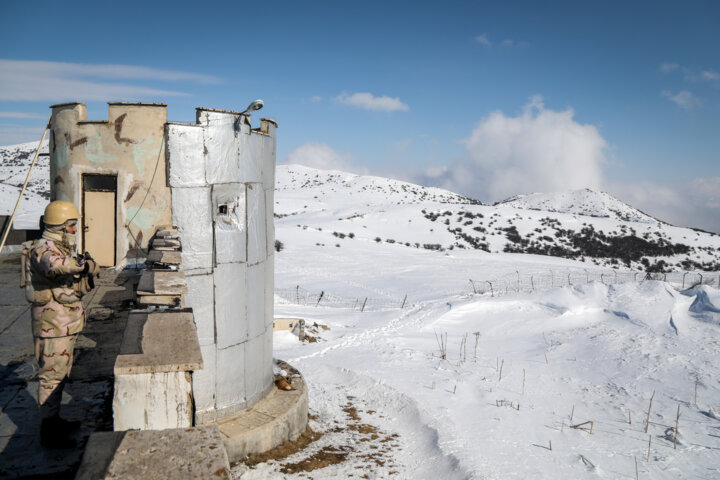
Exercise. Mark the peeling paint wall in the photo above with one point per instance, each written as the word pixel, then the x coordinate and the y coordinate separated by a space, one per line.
pixel 222 176
pixel 130 145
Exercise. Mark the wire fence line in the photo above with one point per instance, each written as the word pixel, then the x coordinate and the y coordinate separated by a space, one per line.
pixel 510 283
pixel 302 296
pixel 518 282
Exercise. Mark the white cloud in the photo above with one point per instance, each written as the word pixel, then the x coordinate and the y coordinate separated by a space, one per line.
pixel 710 75
pixel 669 67
pixel 691 204
pixel 22 115
pixel 316 98
pixel 321 155
pixel 483 40
pixel 507 42
pixel 22 80
pixel 684 99
pixel 538 150
pixel 368 101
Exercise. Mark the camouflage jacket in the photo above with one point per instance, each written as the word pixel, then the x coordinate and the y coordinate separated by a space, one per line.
pixel 51 279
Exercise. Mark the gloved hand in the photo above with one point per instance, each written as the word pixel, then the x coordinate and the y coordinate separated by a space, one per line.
pixel 91 267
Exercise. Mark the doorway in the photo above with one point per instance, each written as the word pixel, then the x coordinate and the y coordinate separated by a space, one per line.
pixel 99 217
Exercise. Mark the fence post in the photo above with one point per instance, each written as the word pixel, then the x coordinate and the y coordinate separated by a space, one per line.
pixel 552 279
pixel 701 278
pixel 587 276
pixel 320 298
pixel 363 307
pixel 297 294
pixel 602 278
pixel 569 282
pixel 403 304
pixel 532 283
pixel 492 294
pixel 518 283
pixel 473 285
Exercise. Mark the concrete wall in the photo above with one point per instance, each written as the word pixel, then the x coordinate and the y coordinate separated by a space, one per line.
pixel 128 144
pixel 222 176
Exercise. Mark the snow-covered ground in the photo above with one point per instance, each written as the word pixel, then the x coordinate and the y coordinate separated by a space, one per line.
pixel 520 368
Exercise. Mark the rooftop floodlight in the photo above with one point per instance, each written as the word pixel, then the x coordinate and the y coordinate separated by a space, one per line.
pixel 256 105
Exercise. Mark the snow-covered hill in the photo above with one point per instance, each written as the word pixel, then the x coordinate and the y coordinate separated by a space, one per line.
pixel 15 162
pixel 582 225
pixel 586 202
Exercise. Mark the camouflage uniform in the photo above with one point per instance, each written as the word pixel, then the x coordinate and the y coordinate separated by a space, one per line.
pixel 58 316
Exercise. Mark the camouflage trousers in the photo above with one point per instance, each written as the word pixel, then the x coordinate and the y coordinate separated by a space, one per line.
pixel 55 357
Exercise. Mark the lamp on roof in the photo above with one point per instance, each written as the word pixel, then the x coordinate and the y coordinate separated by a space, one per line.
pixel 254 106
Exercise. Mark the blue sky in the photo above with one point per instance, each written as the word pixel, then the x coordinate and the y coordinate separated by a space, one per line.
pixel 489 99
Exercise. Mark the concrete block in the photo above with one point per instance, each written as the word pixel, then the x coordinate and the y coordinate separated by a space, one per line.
pixel 231 304
pixel 204 382
pixel 250 158
pixel 158 342
pixel 230 376
pixel 221 139
pixel 200 297
pixel 268 161
pixel 152 401
pixel 270 220
pixel 191 213
pixel 182 454
pixel 186 162
pixel 229 211
pixel 256 317
pixel 257 241
pixel 254 384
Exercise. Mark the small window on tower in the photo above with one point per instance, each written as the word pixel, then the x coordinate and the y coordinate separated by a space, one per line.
pixel 222 210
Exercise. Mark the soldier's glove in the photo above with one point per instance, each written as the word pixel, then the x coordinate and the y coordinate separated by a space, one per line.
pixel 90 267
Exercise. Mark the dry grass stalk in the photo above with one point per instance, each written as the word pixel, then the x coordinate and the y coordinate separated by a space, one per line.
pixel 501 367
pixel 572 413
pixel 546 359
pixel 586 461
pixel 647 423
pixel 523 390
pixel 649 443
pixel 637 474
pixel 629 417
pixel 551 445
pixel 442 344
pixel 477 337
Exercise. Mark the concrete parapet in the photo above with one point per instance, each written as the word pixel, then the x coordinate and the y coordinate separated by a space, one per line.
pixel 279 417
pixel 183 453
pixel 153 381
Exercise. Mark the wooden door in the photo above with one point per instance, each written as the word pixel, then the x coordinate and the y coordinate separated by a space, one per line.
pixel 99 225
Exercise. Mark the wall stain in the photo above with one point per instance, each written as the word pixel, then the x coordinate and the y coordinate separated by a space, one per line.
pixel 59 179
pixel 77 143
pixel 132 190
pixel 118 128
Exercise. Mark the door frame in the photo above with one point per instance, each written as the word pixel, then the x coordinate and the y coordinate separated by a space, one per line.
pixel 100 189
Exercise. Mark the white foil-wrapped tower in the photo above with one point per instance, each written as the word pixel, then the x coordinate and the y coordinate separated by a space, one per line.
pixel 222 176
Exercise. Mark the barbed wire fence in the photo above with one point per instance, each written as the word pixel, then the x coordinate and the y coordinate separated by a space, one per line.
pixel 510 283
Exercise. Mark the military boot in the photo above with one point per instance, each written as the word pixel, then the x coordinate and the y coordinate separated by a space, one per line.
pixel 56 432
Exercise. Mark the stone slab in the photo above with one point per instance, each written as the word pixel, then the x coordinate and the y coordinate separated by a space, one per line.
pixel 161 300
pixel 279 417
pixel 184 453
pixel 167 257
pixel 157 282
pixel 159 342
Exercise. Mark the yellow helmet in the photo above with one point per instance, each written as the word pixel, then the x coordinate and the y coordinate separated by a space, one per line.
pixel 60 211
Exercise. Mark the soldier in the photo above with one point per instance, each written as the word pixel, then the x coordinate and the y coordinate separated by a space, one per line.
pixel 55 282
